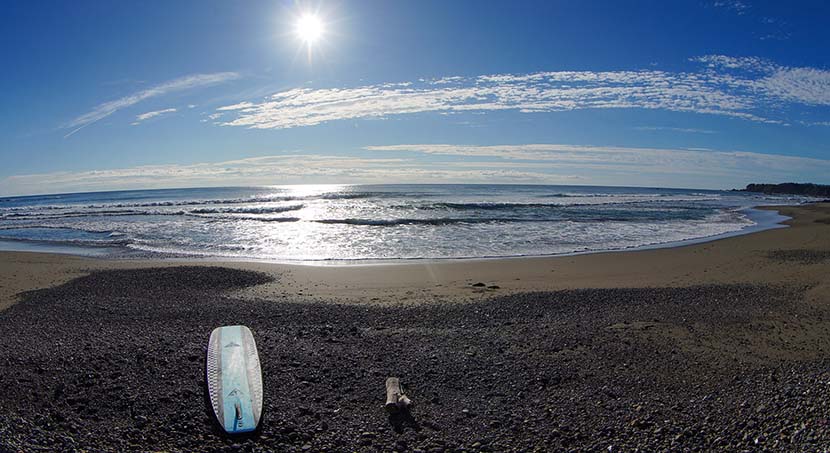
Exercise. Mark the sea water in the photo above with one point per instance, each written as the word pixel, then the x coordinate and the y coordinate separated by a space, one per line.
pixel 325 223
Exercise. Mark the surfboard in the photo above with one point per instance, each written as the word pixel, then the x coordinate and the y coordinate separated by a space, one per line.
pixel 234 379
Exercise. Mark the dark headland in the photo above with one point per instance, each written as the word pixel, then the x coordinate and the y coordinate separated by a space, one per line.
pixel 722 346
pixel 791 188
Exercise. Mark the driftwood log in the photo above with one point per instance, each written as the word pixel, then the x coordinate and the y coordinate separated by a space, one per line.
pixel 395 399
pixel 393 393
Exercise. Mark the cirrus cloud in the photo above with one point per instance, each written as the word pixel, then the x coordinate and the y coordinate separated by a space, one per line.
pixel 106 109
pixel 153 114
pixel 747 88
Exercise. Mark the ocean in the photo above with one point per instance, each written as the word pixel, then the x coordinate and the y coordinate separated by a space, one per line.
pixel 337 223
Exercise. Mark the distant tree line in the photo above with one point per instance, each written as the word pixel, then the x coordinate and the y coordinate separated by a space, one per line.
pixel 791 188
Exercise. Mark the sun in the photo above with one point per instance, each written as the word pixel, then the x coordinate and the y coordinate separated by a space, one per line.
pixel 309 28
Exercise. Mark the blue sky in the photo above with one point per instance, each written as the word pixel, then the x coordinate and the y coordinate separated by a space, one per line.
pixel 706 94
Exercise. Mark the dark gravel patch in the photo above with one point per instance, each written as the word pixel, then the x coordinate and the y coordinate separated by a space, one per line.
pixel 115 362
pixel 801 256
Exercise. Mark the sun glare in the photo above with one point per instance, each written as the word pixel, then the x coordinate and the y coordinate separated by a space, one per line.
pixel 309 28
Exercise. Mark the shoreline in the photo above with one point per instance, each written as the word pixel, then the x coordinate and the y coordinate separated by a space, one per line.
pixel 764 217
pixel 451 280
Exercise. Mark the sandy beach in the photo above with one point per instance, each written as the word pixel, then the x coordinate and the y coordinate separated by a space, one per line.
pixel 723 345
pixel 741 259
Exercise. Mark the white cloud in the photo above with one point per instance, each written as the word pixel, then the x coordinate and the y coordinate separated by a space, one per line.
pixel 803 85
pixel 183 83
pixel 809 86
pixel 747 88
pixel 277 169
pixel 643 166
pixel 422 163
pixel 240 106
pixel 148 115
pixel 738 7
pixel 727 62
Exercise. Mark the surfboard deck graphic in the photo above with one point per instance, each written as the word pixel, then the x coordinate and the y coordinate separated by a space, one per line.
pixel 234 379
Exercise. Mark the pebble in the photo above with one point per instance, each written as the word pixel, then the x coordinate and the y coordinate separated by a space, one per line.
pixel 573 371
